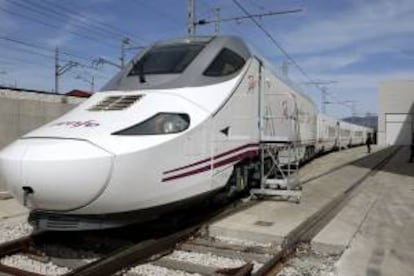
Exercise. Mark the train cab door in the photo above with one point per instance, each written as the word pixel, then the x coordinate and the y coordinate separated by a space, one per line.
pixel 234 133
pixel 195 145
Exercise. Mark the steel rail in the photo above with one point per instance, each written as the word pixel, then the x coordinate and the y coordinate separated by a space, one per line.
pixel 15 246
pixel 125 257
pixel 143 251
pixel 307 232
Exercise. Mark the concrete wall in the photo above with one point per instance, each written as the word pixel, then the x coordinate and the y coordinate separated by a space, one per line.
pixel 21 112
pixel 395 96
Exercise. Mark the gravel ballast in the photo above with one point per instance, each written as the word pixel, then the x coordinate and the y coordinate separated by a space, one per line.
pixel 240 242
pixel 206 259
pixel 310 263
pixel 14 229
pixel 152 270
pixel 26 263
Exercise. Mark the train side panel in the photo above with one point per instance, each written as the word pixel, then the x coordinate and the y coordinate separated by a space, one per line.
pixel 235 127
pixel 345 136
pixel 327 133
pixel 281 108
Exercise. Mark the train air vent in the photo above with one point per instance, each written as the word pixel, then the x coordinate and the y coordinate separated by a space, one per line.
pixel 115 103
pixel 58 223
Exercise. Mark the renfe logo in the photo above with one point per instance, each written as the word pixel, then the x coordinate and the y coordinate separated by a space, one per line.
pixel 72 124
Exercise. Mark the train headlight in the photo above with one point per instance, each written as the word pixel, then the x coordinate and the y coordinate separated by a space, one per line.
pixel 161 123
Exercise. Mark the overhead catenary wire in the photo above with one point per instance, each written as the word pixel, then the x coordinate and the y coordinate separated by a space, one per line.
pixel 31 45
pixel 170 16
pixel 43 11
pixel 73 19
pixel 283 51
pixel 34 19
pixel 80 20
pixel 32 61
pixel 272 39
pixel 44 49
pixel 275 42
pixel 32 52
pixel 322 89
pixel 36 12
pixel 232 24
pixel 16 61
pixel 255 4
pixel 202 22
pixel 58 6
pixel 208 8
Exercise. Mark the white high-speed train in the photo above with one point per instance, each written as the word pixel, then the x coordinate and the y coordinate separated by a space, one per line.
pixel 170 128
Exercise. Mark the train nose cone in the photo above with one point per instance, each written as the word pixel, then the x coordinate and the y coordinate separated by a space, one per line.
pixel 55 174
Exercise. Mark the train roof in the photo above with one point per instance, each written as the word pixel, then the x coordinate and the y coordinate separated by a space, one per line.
pixel 181 62
pixel 201 51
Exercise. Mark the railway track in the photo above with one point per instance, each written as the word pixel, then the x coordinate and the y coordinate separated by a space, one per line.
pixel 124 256
pixel 182 250
pixel 22 245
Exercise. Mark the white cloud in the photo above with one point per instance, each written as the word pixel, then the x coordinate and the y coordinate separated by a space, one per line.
pixel 367 21
pixel 324 63
pixel 367 80
pixel 344 38
pixel 59 40
pixel 75 23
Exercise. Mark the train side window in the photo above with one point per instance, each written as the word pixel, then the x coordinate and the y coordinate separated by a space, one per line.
pixel 226 63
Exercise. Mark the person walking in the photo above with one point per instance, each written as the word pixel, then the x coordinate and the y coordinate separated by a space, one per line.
pixel 368 142
pixel 412 149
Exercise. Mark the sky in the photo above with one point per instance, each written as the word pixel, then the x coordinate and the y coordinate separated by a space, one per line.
pixel 347 46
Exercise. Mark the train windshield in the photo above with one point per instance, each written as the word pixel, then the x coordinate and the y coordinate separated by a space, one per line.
pixel 167 59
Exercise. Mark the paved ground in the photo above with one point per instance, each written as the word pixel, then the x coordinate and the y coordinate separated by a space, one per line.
pixel 11 208
pixel 328 162
pixel 372 235
pixel 326 180
pixel 384 243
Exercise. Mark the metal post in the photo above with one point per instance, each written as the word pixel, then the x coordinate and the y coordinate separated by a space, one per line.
pixel 3 81
pixel 354 109
pixel 262 165
pixel 323 89
pixel 93 84
pixel 124 42
pixel 122 54
pixel 60 70
pixel 261 87
pixel 217 23
pixel 285 68
pixel 190 18
pixel 57 66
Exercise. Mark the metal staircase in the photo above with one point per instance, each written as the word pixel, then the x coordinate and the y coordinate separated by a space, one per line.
pixel 279 165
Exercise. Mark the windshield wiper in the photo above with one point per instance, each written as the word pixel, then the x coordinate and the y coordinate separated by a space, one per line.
pixel 138 67
pixel 141 74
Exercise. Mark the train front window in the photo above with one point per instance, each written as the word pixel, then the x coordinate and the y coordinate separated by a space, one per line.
pixel 226 63
pixel 167 59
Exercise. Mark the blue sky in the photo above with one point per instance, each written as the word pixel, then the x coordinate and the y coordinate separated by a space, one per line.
pixel 354 44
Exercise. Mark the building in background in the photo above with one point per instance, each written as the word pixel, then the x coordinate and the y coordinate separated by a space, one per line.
pixel 24 110
pixel 396 112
